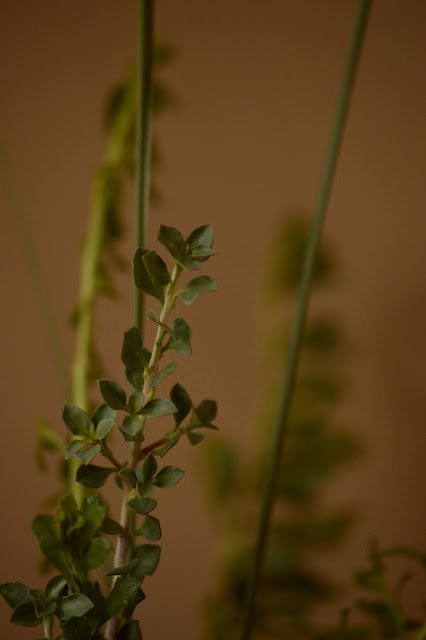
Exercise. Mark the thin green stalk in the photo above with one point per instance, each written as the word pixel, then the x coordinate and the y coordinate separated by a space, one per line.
pixel 126 516
pixel 35 270
pixel 143 139
pixel 301 311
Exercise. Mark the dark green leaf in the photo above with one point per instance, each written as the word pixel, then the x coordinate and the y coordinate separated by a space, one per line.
pixel 98 552
pixel 124 569
pixel 132 424
pixel 203 252
pixel 136 377
pixel 129 475
pixel 73 447
pixel 93 476
pixel 76 420
pixel 206 412
pixel 54 587
pixel 129 437
pixel 142 505
pixel 73 606
pixel 172 239
pixel 94 514
pixel 135 403
pixel 124 590
pixel 180 340
pixel 190 292
pixel 150 528
pixel 43 609
pixel 25 616
pixel 103 412
pixel 144 490
pixel 149 468
pixel 171 442
pixel 168 477
pixel 103 428
pixel 160 375
pixel 153 316
pixel 182 401
pixel 132 353
pixel 157 407
pixel 201 236
pixel 15 593
pixel 194 437
pixel 44 528
pixel 130 631
pixel 150 273
pixel 113 394
pixel 75 629
pixel 149 557
pixel 111 527
pixel 87 455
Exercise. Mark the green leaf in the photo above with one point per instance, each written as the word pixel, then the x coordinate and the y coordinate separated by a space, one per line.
pixel 157 407
pixel 123 592
pixel 123 570
pixel 149 557
pixel 93 476
pixel 113 394
pixel 111 527
pixel 168 477
pixel 75 629
pixel 150 273
pixel 76 420
pixel 150 528
pixel 130 631
pixel 15 593
pixel 149 468
pixel 171 442
pixel 103 428
pixel 129 475
pixel 138 437
pixel 135 402
pixel 24 615
pixel 72 447
pixel 182 401
pixel 180 339
pixel 98 552
pixel 132 425
pixel 136 377
pixel 153 316
pixel 142 505
pixel 73 606
pixel 201 236
pixel 93 513
pixel 103 412
pixel 203 252
pixel 45 530
pixel 160 375
pixel 206 412
pixel 173 240
pixel 195 287
pixel 54 587
pixel 132 354
pixel 194 437
pixel 88 455
pixel 144 490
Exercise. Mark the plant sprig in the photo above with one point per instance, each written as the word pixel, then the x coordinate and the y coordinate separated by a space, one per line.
pixel 78 539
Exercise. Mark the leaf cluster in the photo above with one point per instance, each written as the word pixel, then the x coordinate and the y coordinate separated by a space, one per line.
pixel 79 539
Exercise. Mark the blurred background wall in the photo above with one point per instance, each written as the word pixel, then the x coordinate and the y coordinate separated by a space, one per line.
pixel 257 84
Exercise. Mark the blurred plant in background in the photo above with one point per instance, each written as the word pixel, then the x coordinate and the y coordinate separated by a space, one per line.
pixel 303 528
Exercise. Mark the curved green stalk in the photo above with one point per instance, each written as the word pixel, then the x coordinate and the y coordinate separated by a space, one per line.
pixel 38 281
pixel 143 139
pixel 301 311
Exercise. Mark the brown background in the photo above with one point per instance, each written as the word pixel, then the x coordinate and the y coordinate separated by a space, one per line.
pixel 257 83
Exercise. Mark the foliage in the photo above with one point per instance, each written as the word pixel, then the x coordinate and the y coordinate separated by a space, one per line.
pixel 291 588
pixel 81 538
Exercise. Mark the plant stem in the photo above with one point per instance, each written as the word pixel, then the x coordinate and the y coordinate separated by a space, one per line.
pixel 143 139
pixel 301 311
pixel 47 627
pixel 124 540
